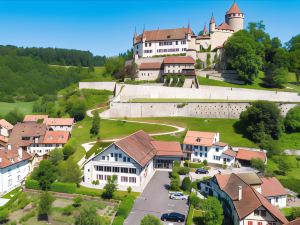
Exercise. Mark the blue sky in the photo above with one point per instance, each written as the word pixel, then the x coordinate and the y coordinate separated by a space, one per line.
pixel 106 27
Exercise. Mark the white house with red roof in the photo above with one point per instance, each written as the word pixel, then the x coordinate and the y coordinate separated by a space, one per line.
pixel 243 200
pixel 133 160
pixel 5 128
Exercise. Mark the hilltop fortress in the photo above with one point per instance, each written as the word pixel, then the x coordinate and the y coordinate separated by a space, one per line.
pixel 184 41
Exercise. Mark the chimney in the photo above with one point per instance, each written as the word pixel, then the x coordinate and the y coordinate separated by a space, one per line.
pixel 9 147
pixel 240 193
pixel 20 152
pixel 36 140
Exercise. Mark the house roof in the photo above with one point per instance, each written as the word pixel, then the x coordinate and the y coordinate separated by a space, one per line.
pixel 272 187
pixel 138 146
pixel 56 137
pixel 59 121
pixel 234 9
pixel 153 66
pixel 230 152
pixel 203 37
pixel 224 26
pixel 250 178
pixel 247 155
pixel 10 157
pixel 5 124
pixel 165 148
pixel 179 60
pixel 294 222
pixel 199 138
pixel 166 34
pixel 221 144
pixel 251 199
pixel 3 139
pixel 34 118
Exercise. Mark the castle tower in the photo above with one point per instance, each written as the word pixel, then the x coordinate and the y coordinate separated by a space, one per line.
pixel 205 30
pixel 134 35
pixel 235 18
pixel 212 24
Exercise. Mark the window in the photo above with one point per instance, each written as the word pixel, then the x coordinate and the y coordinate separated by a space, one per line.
pixel 176 42
pixel 200 154
pixel 124 170
pixel 276 199
pixel 200 148
pixel 205 155
pixel 263 213
pixel 217 149
pixel 259 223
pixel 107 157
pixel 103 157
pixel 9 172
pixel 250 223
pixel 19 177
pixel 256 212
pixel 9 182
pixel 112 154
pixel 206 149
pixel 116 169
pixel 124 179
pixel 128 159
pixel 124 159
pixel 107 168
pixel 116 155
pixel 99 168
pixel 120 155
pixel 99 176
pixel 196 154
pixel 132 180
pixel 132 170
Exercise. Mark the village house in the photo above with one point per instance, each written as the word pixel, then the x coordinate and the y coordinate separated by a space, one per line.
pixel 244 156
pixel 133 159
pixel 34 118
pixel 242 198
pixel 5 128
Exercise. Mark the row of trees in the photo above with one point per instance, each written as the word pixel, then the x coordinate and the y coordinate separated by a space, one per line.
pixel 252 50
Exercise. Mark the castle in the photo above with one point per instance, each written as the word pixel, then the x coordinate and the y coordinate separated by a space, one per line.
pixel 183 41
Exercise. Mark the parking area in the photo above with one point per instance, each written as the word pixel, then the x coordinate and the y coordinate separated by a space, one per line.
pixel 155 200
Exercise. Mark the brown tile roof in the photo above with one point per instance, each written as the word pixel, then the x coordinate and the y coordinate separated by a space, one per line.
pixel 272 187
pixel 247 155
pixel 10 157
pixel 23 134
pixel 161 35
pixel 294 222
pixel 56 137
pixel 251 199
pixel 145 66
pixel 34 118
pixel 59 121
pixel 221 144
pixel 166 148
pixel 250 178
pixel 230 152
pixel 224 26
pixel 138 146
pixel 5 124
pixel 3 139
pixel 234 9
pixel 199 138
pixel 222 179
pixel 179 60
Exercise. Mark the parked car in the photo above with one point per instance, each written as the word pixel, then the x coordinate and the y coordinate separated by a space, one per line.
pixel 176 217
pixel 178 196
pixel 201 171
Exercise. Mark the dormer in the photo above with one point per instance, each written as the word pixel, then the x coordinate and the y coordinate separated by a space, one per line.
pixel 198 139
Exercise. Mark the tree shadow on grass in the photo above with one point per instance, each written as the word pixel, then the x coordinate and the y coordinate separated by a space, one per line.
pixel 239 128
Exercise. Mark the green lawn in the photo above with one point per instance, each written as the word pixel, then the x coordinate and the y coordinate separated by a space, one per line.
pixel 99 75
pixel 257 84
pixel 24 107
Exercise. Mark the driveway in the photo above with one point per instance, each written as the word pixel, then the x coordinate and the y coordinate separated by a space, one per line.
pixel 155 200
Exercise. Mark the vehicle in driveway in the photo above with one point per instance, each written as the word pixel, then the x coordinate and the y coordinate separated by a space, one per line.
pixel 175 217
pixel 201 171
pixel 178 196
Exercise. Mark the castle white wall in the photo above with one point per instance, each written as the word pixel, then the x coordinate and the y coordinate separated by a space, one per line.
pixel 218 37
pixel 110 86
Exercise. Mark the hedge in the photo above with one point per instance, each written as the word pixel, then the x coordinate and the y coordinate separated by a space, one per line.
pixel 32 184
pixel 119 220
pixel 124 209
pixel 63 187
pixel 196 165
pixel 189 219
pixel 291 183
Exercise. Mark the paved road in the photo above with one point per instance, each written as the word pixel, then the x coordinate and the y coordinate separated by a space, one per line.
pixel 155 200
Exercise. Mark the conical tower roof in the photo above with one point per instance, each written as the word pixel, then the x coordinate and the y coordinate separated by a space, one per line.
pixel 212 19
pixel 234 9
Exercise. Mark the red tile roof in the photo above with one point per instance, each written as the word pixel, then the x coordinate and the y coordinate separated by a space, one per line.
pixel 34 118
pixel 165 148
pixel 179 60
pixel 199 138
pixel 224 26
pixel 145 66
pixel 230 153
pixel 59 121
pixel 10 157
pixel 56 137
pixel 5 124
pixel 161 35
pixel 221 144
pixel 234 9
pixel 272 187
pixel 3 139
pixel 294 222
pixel 247 155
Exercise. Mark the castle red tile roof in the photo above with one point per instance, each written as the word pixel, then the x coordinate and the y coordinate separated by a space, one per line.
pixel 272 187
pixel 56 137
pixel 166 148
pixel 199 138
pixel 234 9
pixel 146 66
pixel 224 26
pixel 5 124
pixel 161 35
pixel 179 60
pixel 34 118
pixel 59 121
pixel 247 155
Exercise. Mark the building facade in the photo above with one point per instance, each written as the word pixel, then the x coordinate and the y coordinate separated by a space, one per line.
pixel 5 128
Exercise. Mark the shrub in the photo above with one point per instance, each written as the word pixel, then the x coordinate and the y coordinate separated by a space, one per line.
pixel 258 164
pixel 4 215
pixel 186 184
pixel 270 145
pixel 27 216
pixel 32 184
pixel 63 187
pixel 45 205
pixel 175 185
pixel 196 165
pixel 205 162
pixel 176 164
pixel 126 206
pixel 110 187
pixel 150 220
pixel 292 120
pixel 68 150
pixel 129 189
pixel 77 201
pixel 67 211
pixel 119 220
pixel 194 200
pixel 186 163
pixel 183 170
pixel 189 219
pixel 295 213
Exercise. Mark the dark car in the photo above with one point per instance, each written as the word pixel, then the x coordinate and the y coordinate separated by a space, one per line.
pixel 173 217
pixel 201 171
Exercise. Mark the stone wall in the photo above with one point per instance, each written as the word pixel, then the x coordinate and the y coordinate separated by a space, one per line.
pixel 110 86
pixel 200 109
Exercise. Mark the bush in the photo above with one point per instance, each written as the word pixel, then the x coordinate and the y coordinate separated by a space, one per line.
pixel 291 183
pixel 32 184
pixel 77 201
pixel 67 211
pixel 174 185
pixel 194 200
pixel 125 206
pixel 150 220
pixel 186 163
pixel 119 220
pixel 176 164
pixel 27 216
pixel 68 150
pixel 4 215
pixel 292 120
pixel 183 170
pixel 189 219
pixel 129 189
pixel 270 145
pixel 186 184
pixel 63 187
pixel 196 165
pixel 205 162
pixel 258 164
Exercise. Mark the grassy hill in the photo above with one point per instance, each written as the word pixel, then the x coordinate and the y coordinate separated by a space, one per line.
pixel 24 107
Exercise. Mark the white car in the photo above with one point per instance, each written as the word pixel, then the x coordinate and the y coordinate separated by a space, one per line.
pixel 178 196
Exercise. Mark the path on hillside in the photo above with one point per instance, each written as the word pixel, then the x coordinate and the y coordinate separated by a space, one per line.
pixel 87 146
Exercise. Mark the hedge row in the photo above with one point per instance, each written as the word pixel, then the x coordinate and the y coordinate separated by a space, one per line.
pixel 124 210
pixel 69 188
pixel 189 219
pixel 196 165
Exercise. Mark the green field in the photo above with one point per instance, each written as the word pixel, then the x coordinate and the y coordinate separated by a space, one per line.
pixel 99 75
pixel 24 107
pixel 257 84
